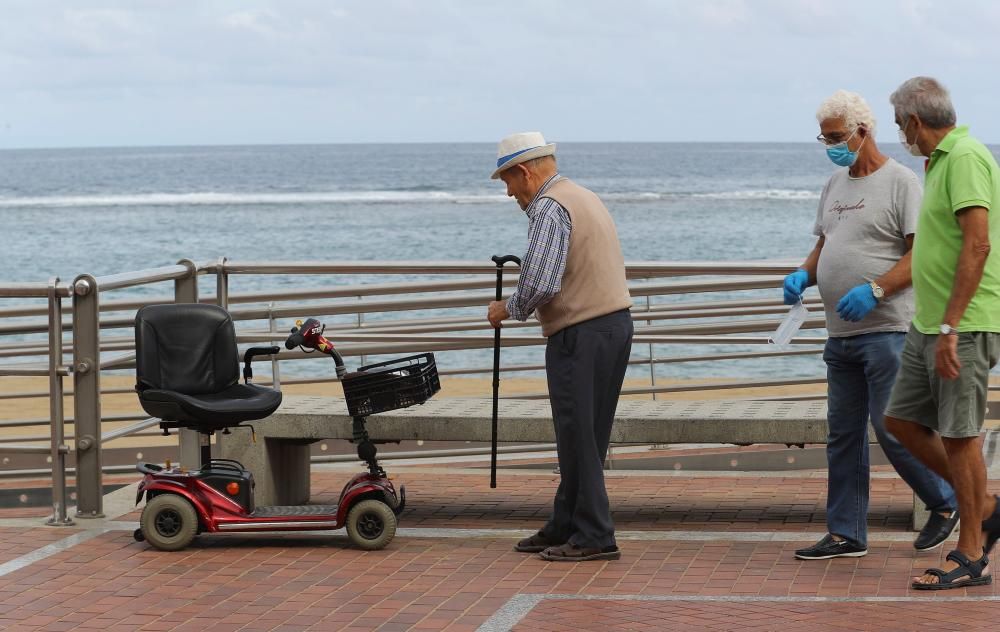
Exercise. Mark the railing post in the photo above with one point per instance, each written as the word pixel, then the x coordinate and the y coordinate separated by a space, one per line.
pixel 186 291
pixel 56 418
pixel 222 300
pixel 87 396
pixel 652 363
pixel 186 288
pixel 271 327
pixel 221 284
pixel 361 324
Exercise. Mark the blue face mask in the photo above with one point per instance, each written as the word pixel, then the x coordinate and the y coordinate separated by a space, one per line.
pixel 840 155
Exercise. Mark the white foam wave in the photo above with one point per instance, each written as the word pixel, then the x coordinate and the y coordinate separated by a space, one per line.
pixel 354 197
pixel 761 194
pixel 241 199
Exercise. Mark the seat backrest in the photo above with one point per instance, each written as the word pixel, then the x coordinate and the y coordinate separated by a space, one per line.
pixel 185 347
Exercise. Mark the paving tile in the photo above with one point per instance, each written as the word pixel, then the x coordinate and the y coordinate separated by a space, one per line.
pixel 282 582
pixel 17 541
pixel 564 615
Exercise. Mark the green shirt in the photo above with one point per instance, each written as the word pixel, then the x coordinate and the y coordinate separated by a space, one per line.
pixel 961 173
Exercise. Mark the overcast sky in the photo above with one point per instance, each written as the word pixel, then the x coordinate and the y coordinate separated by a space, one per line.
pixel 166 72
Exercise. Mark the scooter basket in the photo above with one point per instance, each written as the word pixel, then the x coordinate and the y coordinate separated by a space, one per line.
pixel 389 385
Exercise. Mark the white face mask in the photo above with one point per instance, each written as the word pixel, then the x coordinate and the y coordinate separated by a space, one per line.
pixel 913 149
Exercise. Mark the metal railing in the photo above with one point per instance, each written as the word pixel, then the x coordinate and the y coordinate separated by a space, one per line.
pixel 53 292
pixel 429 314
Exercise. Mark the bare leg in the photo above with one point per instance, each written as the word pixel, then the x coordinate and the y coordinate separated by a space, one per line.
pixel 928 446
pixel 968 477
pixel 923 443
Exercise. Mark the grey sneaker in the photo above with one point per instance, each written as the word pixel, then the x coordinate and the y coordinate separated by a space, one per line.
pixel 828 547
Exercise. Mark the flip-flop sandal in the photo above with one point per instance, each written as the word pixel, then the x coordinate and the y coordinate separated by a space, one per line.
pixel 570 553
pixel 534 544
pixel 991 527
pixel 972 572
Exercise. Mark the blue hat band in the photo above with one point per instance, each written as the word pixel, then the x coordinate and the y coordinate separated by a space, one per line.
pixel 505 159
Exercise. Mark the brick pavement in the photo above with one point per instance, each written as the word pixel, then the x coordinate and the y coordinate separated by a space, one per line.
pixel 568 615
pixel 18 541
pixel 435 577
pixel 644 501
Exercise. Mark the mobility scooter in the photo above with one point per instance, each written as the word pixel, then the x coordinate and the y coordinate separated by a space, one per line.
pixel 187 370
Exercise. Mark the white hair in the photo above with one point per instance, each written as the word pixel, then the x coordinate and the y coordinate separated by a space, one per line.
pixel 849 106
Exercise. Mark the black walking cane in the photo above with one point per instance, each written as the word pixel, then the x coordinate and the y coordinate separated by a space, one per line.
pixel 500 261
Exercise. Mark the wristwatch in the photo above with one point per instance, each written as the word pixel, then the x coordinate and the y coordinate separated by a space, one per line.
pixel 948 330
pixel 877 290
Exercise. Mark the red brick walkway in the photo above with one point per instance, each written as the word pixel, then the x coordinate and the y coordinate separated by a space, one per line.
pixel 569 615
pixel 653 502
pixel 15 541
pixel 427 580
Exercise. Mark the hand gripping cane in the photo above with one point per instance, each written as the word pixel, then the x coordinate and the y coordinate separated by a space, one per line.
pixel 500 261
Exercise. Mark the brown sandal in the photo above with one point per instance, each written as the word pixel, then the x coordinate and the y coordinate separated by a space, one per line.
pixel 572 553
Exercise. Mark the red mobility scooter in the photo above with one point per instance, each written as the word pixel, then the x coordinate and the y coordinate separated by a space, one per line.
pixel 187 370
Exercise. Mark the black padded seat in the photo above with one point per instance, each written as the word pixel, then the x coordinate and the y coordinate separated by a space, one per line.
pixel 187 369
pixel 230 407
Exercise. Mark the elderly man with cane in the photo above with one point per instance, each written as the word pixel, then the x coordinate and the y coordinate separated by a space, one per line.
pixel 573 278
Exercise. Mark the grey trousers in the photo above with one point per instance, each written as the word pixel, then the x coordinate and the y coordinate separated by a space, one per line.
pixel 585 366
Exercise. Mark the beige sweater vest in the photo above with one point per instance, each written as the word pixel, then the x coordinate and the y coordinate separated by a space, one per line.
pixel 593 282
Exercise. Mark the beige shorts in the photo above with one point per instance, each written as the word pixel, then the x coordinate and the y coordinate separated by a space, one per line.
pixel 953 408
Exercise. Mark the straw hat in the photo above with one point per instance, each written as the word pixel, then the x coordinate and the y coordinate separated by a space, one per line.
pixel 518 148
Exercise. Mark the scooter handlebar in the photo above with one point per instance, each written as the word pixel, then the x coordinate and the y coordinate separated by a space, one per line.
pixel 294 340
pixel 310 335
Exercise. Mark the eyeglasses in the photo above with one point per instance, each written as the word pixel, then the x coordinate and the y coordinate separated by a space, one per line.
pixel 836 139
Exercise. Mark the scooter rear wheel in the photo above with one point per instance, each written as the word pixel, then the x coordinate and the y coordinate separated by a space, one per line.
pixel 371 524
pixel 169 522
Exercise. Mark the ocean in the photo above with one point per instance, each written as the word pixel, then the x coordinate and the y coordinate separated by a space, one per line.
pixel 102 211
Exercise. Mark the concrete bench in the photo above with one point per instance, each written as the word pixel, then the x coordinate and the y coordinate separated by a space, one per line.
pixel 280 457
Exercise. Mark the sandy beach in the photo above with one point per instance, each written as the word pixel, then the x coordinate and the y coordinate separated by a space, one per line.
pixel 126 403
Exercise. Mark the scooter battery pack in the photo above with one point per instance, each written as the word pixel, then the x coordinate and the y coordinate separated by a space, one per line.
pixel 231 483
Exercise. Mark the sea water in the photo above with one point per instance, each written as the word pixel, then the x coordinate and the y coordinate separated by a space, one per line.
pixel 101 211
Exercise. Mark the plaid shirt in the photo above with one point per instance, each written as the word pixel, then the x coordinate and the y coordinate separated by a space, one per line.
pixel 543 266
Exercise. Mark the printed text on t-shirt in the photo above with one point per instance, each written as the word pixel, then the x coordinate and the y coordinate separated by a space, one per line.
pixel 840 208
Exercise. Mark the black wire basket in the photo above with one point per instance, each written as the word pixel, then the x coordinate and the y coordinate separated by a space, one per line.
pixel 389 385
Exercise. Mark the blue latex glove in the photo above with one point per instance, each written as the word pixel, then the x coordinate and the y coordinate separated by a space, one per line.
pixel 856 304
pixel 795 284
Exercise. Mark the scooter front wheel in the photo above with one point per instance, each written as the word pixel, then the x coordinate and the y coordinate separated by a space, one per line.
pixel 169 522
pixel 371 524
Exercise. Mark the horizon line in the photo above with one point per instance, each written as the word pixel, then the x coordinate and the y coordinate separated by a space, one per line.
pixel 387 143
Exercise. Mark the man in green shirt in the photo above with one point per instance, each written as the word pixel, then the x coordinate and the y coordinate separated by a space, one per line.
pixel 938 403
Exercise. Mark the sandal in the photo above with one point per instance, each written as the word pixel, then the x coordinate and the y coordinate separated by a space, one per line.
pixel 572 553
pixel 534 544
pixel 991 527
pixel 971 571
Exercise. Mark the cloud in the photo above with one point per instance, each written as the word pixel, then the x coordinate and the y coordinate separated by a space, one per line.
pixel 220 71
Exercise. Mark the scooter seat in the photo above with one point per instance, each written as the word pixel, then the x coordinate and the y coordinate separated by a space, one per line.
pixel 229 407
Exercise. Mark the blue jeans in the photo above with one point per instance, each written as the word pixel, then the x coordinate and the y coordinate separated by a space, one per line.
pixel 860 373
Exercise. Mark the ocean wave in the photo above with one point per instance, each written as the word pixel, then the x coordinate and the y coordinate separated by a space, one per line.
pixel 760 194
pixel 244 199
pixel 414 195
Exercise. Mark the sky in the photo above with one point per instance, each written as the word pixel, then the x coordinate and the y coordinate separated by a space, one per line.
pixel 81 73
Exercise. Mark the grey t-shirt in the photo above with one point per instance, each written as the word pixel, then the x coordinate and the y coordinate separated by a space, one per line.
pixel 865 222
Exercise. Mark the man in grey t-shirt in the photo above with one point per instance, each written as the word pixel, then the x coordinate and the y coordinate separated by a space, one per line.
pixel 865 224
